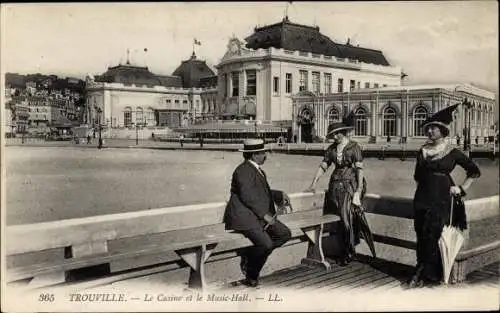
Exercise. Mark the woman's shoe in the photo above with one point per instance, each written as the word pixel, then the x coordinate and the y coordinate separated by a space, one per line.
pixel 344 261
pixel 415 283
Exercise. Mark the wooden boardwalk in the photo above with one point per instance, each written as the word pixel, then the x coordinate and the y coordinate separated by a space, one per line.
pixel 376 275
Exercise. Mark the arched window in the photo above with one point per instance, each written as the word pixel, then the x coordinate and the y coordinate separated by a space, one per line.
pixel 306 116
pixel 419 116
pixel 150 116
pixel 139 116
pixel 127 117
pixel 361 124
pixel 333 115
pixel 389 118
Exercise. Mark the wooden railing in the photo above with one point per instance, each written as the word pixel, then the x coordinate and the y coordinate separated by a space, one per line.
pixel 133 240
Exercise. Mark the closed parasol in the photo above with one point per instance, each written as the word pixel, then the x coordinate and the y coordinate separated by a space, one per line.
pixel 450 242
pixel 361 225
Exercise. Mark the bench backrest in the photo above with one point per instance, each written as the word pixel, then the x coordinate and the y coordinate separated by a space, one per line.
pixel 80 231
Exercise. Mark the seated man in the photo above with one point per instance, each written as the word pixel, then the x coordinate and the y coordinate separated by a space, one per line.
pixel 251 211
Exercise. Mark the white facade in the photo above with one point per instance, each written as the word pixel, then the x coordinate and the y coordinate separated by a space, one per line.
pixel 395 112
pixel 125 106
pixel 281 74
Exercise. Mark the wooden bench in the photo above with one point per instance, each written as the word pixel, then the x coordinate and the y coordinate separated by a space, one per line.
pixel 194 233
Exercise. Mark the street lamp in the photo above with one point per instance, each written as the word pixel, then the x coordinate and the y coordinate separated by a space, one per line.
pixel 99 113
pixel 136 133
pixel 467 133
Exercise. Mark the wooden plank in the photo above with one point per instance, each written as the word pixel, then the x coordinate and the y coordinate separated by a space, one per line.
pixel 300 277
pixel 478 250
pixel 89 248
pixel 384 281
pixel 283 276
pixel 329 279
pixel 340 281
pixel 334 273
pixel 365 279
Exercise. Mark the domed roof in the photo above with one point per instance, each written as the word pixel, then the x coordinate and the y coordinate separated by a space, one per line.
pixel 138 75
pixel 295 37
pixel 192 71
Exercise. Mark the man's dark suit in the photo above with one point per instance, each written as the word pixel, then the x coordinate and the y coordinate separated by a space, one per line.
pixel 251 199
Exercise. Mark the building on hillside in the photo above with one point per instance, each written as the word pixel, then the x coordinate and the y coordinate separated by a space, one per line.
pixel 395 112
pixel 257 79
pixel 132 96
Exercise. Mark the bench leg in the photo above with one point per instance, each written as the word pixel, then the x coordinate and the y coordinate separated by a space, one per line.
pixel 196 258
pixel 458 272
pixel 315 254
pixel 48 279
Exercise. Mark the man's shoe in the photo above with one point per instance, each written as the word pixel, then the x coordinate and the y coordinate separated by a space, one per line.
pixel 251 282
pixel 244 265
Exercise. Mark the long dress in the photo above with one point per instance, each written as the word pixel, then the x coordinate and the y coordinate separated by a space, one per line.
pixel 343 183
pixel 432 203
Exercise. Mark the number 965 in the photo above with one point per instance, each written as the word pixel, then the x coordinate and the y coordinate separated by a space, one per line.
pixel 46 297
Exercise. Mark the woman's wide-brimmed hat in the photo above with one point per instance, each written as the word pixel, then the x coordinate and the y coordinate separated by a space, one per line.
pixel 441 118
pixel 253 145
pixel 346 124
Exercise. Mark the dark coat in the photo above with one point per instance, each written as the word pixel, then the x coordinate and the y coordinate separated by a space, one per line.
pixel 251 199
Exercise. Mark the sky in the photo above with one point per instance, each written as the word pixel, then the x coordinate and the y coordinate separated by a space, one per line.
pixel 434 42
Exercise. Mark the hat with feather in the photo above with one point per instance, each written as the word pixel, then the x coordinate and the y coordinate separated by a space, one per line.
pixel 442 119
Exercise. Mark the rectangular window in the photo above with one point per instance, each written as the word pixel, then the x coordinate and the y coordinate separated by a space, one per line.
pixel 276 85
pixel 328 83
pixel 315 82
pixel 352 84
pixel 251 82
pixel 303 81
pixel 367 85
pixel 226 87
pixel 288 82
pixel 169 101
pixel 235 81
pixel 340 85
pixel 385 85
pixel 359 85
pixel 127 118
pixel 184 101
pixel 375 85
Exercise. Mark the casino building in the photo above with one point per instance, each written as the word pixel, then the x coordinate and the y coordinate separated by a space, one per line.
pixel 258 78
pixel 130 96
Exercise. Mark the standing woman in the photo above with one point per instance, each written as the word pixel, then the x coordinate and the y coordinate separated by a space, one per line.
pixel 435 191
pixel 347 185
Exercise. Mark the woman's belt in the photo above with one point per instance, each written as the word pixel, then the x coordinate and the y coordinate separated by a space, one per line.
pixel 438 174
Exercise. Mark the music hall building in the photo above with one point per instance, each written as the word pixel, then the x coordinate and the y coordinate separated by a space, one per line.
pixel 395 112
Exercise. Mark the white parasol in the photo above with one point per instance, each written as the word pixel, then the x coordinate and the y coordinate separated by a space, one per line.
pixel 450 243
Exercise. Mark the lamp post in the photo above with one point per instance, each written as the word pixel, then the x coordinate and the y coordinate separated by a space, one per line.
pixel 136 133
pixel 467 133
pixel 99 113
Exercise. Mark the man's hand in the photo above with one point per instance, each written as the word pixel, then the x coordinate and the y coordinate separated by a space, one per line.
pixel 454 190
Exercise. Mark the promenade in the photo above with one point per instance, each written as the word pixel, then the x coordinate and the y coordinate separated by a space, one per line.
pixel 370 150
